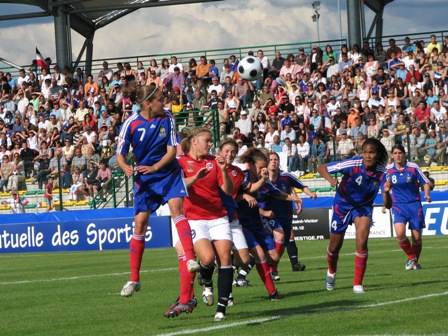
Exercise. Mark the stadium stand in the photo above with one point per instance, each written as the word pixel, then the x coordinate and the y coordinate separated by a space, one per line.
pixel 315 102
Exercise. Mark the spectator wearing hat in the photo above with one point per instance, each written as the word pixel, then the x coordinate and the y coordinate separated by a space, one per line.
pixel 431 183
pixel 15 202
pixel 302 60
pixel 153 78
pixel 345 148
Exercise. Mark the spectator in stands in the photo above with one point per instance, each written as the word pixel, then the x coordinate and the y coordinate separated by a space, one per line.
pixel 15 202
pixel 345 147
pixel 44 171
pixel 358 127
pixel 60 169
pixel 27 155
pixel 289 133
pixel 103 177
pixel 244 124
pixel 303 154
pixel 318 152
pixel 6 170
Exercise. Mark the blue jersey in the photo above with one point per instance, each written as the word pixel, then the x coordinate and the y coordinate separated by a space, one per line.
pixel 406 182
pixel 358 187
pixel 149 139
pixel 240 181
pixel 248 215
pixel 284 182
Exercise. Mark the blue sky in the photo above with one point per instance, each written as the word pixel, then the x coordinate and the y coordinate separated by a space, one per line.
pixel 224 24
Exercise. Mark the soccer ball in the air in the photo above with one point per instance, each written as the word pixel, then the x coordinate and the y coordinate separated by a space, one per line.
pixel 250 68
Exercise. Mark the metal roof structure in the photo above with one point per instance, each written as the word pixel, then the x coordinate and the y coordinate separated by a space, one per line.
pixel 85 17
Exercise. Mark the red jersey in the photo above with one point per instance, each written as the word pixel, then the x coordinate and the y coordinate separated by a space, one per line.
pixel 48 191
pixel 204 199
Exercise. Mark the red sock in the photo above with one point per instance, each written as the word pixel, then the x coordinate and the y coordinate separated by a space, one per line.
pixel 136 249
pixel 280 248
pixel 184 233
pixel 360 267
pixel 263 271
pixel 407 248
pixel 186 281
pixel 332 260
pixel 417 249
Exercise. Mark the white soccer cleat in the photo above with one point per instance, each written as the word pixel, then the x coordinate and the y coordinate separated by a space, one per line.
pixel 409 264
pixel 207 296
pixel 358 289
pixel 193 266
pixel 330 281
pixel 129 288
pixel 219 317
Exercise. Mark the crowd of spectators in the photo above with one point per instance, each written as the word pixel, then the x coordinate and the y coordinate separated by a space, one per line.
pixel 314 107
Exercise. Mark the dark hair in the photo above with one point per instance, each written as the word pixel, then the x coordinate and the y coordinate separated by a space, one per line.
pixel 399 147
pixel 380 149
pixel 253 155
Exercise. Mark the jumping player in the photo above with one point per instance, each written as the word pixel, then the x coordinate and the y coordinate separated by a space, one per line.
pixel 353 203
pixel 407 208
pixel 281 224
pixel 152 135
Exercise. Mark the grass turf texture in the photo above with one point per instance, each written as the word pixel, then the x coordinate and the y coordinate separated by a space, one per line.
pixel 78 294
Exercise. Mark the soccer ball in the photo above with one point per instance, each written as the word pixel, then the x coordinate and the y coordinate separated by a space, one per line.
pixel 250 68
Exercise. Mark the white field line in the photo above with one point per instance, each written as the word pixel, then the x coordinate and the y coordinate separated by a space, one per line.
pixel 160 270
pixel 282 317
pixel 82 277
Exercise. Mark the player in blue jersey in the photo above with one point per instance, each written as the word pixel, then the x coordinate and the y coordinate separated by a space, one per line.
pixel 279 213
pixel 362 177
pixel 260 242
pixel 406 178
pixel 151 134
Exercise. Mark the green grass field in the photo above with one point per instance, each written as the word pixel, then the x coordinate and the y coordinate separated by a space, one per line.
pixel 78 294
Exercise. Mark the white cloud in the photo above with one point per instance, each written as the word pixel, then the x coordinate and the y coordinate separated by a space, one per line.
pixel 226 24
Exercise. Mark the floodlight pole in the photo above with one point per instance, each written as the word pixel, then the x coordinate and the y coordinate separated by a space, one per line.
pixel 316 7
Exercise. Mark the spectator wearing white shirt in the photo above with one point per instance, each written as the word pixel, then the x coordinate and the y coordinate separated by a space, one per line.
pixel 244 124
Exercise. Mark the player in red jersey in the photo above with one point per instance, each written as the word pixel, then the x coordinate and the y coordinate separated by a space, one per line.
pixel 152 135
pixel 206 178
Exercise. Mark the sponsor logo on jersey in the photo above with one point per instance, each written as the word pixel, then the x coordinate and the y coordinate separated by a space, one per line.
pixel 408 178
pixel 209 166
pixel 234 173
pixel 162 132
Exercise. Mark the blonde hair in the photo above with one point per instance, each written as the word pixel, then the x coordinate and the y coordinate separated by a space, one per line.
pixel 193 133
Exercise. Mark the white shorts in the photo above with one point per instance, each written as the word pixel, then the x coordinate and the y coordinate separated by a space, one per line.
pixel 211 229
pixel 239 241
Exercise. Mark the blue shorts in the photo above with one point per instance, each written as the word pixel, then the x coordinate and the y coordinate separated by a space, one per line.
pixel 270 224
pixel 151 194
pixel 345 214
pixel 411 213
pixel 258 236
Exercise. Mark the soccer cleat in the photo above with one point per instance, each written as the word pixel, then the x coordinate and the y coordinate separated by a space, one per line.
pixel 298 267
pixel 129 288
pixel 330 281
pixel 231 301
pixel 275 276
pixel 207 296
pixel 274 296
pixel 358 289
pixel 409 264
pixel 193 266
pixel 178 308
pixel 417 267
pixel 240 282
pixel 219 317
